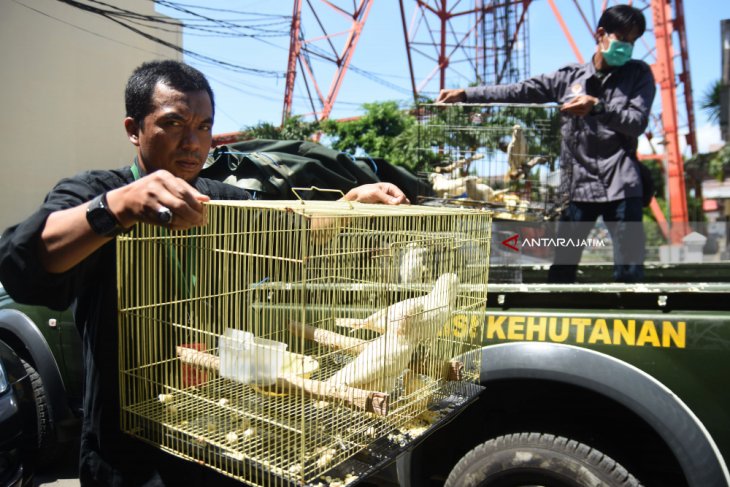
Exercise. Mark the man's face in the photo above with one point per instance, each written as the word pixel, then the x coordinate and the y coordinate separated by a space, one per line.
pixel 604 38
pixel 176 135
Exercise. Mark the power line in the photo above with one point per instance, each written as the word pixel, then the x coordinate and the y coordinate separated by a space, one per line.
pixel 117 16
pixel 225 10
pixel 259 26
pixel 96 34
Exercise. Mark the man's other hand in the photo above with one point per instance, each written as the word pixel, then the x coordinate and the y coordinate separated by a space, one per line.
pixel 580 106
pixel 385 193
pixel 452 96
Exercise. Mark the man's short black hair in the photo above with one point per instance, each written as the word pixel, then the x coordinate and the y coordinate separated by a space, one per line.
pixel 623 19
pixel 142 82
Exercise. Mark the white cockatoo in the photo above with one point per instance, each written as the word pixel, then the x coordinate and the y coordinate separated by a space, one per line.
pixel 382 361
pixel 403 325
pixel 412 267
pixel 516 153
pixel 446 187
pixel 478 191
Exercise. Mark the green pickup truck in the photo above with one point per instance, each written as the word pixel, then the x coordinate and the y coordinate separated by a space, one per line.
pixel 634 371
pixel 47 344
pixel 583 385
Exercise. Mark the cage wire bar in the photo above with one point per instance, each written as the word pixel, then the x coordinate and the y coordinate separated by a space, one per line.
pixel 498 156
pixel 246 344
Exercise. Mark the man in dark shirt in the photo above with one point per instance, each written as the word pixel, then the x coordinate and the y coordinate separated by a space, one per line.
pixel 605 106
pixel 64 253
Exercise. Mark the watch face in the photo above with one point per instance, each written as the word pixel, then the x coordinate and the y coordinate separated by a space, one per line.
pixel 102 222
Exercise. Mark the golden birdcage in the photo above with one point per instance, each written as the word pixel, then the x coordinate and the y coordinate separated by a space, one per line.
pixel 498 156
pixel 282 338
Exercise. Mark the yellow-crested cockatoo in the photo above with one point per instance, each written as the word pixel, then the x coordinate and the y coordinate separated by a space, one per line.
pixel 516 153
pixel 412 267
pixel 446 187
pixel 403 326
pixel 477 191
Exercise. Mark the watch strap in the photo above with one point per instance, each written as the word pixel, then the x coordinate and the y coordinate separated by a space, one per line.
pixel 101 219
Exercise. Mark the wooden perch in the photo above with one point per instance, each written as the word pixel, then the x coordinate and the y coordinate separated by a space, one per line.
pixel 454 370
pixel 328 338
pixel 369 401
pixel 205 360
pixel 451 370
pixel 459 164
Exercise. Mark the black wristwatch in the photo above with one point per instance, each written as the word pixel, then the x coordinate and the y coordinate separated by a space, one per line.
pixel 598 108
pixel 101 219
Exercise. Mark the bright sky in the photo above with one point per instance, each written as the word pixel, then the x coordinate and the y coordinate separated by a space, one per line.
pixel 245 99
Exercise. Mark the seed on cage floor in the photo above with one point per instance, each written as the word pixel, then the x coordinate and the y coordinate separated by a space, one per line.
pixel 430 416
pixel 166 398
pixel 326 458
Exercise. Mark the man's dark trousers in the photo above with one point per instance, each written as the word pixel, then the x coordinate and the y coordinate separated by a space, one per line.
pixel 623 220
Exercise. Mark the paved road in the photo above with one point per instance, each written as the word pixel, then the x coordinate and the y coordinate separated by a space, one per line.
pixel 63 473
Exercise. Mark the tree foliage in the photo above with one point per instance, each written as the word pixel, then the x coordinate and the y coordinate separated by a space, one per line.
pixel 387 131
pixel 711 101
pixel 383 131
pixel 720 163
pixel 294 128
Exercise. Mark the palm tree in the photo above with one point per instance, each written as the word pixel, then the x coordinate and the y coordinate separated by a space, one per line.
pixel 711 101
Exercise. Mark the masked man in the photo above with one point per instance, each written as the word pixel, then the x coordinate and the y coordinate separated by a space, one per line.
pixel 605 106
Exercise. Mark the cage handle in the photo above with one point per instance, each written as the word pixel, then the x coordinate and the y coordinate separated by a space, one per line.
pixel 315 188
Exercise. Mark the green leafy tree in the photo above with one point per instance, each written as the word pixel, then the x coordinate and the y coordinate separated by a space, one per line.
pixel 720 163
pixel 385 130
pixel 264 130
pixel 418 139
pixel 711 101
pixel 294 128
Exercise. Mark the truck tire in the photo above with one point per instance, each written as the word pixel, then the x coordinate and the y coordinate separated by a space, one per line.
pixel 46 435
pixel 536 459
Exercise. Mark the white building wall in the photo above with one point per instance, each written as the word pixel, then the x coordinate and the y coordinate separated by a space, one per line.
pixel 62 95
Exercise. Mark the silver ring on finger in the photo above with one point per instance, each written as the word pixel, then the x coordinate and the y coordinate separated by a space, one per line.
pixel 164 215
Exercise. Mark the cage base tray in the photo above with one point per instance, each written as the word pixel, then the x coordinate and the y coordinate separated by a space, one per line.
pixel 454 398
pixel 385 450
